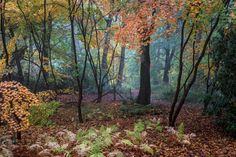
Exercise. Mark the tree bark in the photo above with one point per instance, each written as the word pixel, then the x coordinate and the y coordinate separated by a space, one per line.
pixel 192 74
pixel 144 96
pixel 121 67
pixel 106 48
pixel 72 7
pixel 166 67
pixel 18 56
pixel 106 43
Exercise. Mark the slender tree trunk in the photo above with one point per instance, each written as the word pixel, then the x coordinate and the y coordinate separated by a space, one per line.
pixel 49 50
pixel 156 69
pixel 3 35
pixel 193 74
pixel 166 67
pixel 106 43
pixel 18 65
pixel 144 96
pixel 99 94
pixel 121 67
pixel 207 101
pixel 45 44
pixel 106 48
pixel 79 104
pixel 29 57
pixel 177 91
pixel 79 84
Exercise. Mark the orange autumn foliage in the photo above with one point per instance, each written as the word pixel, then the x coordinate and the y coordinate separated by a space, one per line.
pixel 143 20
pixel 15 101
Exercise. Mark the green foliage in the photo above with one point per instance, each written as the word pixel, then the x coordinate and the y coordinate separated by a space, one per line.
pixel 151 125
pixel 167 93
pixel 127 142
pixel 97 155
pixel 61 150
pixel 136 135
pixel 97 113
pixel 159 127
pixel 224 100
pixel 147 148
pixel 180 131
pixel 40 115
pixel 132 109
pixel 94 141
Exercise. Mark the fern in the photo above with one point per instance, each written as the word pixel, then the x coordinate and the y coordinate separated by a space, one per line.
pixel 97 155
pixel 136 135
pixel 94 141
pixel 139 127
pixel 180 130
pixel 159 127
pixel 61 150
pixel 127 142
pixel 146 148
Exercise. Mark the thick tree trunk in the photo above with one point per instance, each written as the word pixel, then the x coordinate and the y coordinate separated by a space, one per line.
pixel 144 96
pixel 121 67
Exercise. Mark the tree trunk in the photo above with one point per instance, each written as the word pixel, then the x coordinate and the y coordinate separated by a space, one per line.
pixel 30 52
pixel 45 44
pixel 106 43
pixel 121 67
pixel 106 48
pixel 156 70
pixel 144 95
pixel 169 56
pixel 73 42
pixel 19 67
pixel 99 94
pixel 79 104
pixel 166 67
pixel 192 74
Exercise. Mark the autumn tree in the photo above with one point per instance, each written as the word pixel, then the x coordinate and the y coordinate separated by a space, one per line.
pixel 15 101
pixel 197 16
pixel 139 24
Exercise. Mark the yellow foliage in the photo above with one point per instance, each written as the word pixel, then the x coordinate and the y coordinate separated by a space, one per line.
pixel 46 96
pixel 66 91
pixel 2 67
pixel 15 101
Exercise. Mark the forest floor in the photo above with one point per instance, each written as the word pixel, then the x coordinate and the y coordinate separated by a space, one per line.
pixel 207 139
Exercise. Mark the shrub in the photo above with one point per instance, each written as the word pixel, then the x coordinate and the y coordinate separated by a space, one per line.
pixel 132 108
pixel 47 96
pixel 224 99
pixel 16 101
pixel 40 115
